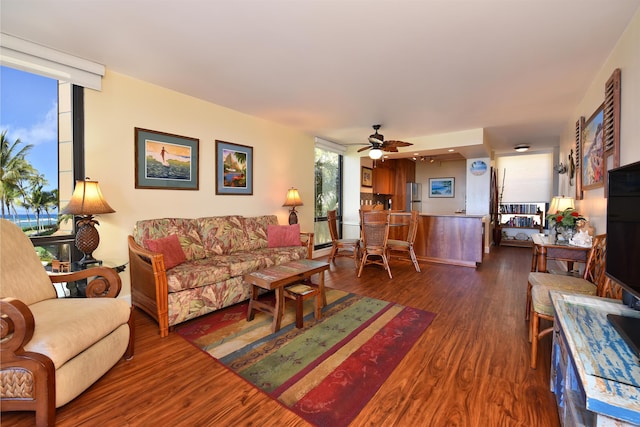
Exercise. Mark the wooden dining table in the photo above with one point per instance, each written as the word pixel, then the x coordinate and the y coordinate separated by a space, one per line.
pixel 547 248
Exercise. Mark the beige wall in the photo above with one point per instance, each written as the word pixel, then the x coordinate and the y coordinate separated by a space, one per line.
pixel 283 158
pixel 626 56
pixel 450 169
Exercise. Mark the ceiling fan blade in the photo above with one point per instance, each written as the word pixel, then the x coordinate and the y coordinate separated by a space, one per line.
pixel 389 149
pixel 364 148
pixel 397 144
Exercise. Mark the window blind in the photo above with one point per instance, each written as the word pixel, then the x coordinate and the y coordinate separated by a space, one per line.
pixel 34 58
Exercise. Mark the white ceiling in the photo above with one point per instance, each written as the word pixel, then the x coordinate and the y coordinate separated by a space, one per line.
pixel 517 68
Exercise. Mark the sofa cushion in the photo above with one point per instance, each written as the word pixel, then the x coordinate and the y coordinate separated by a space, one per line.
pixel 65 327
pixel 281 236
pixel 169 247
pixel 185 229
pixel 198 273
pixel 222 234
pixel 256 229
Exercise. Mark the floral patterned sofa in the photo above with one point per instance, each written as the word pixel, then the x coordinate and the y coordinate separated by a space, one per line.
pixel 183 268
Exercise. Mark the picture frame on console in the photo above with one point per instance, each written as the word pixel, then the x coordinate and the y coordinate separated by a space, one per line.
pixel 166 161
pixel 442 187
pixel 592 168
pixel 234 169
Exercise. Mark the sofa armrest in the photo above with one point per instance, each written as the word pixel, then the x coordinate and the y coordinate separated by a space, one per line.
pixel 106 282
pixel 149 288
pixel 21 367
pixel 307 240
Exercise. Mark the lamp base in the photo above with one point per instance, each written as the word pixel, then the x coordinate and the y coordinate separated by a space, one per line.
pixel 293 217
pixel 87 239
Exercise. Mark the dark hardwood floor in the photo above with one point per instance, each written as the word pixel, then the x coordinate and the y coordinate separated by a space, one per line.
pixel 470 368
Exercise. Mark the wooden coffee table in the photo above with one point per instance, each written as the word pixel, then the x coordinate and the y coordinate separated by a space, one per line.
pixel 276 278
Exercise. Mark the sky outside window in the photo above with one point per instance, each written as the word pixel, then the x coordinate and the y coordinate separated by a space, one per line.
pixel 29 111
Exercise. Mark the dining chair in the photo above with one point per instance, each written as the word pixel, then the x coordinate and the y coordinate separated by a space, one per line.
pixel 375 232
pixel 341 247
pixel 592 282
pixel 405 247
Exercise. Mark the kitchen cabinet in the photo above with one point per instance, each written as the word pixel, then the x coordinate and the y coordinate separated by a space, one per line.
pixel 383 178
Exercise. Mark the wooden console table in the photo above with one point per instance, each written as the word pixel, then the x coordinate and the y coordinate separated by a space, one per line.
pixel 594 374
pixel 545 248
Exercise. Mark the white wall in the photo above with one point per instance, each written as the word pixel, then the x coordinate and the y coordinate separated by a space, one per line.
pixel 283 158
pixel 626 56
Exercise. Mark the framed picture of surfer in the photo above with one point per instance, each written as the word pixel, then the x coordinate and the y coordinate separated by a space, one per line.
pixel 234 168
pixel 166 161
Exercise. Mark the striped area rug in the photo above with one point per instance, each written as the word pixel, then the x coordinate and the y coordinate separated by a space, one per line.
pixel 327 371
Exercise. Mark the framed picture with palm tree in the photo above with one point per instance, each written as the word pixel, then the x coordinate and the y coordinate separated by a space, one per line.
pixel 234 168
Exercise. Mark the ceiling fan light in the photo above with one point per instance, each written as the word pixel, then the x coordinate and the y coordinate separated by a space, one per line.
pixel 375 153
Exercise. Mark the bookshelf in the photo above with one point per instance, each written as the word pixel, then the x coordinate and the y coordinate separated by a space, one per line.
pixel 518 221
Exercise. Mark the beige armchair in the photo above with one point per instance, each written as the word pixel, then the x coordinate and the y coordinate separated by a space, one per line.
pixel 54 349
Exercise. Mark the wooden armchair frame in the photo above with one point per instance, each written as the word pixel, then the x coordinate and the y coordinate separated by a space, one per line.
pixel 29 378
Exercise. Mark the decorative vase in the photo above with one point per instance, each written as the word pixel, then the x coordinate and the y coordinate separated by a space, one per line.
pixel 564 233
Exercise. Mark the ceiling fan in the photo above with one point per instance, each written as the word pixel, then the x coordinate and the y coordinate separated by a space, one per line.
pixel 378 144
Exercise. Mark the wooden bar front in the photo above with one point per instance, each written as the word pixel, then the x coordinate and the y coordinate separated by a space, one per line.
pixel 450 239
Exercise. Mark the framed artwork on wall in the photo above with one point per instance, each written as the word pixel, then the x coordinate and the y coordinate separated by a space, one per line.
pixel 442 187
pixel 592 151
pixel 165 161
pixel 366 177
pixel 234 169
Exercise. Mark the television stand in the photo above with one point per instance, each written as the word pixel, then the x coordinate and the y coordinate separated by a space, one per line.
pixel 629 330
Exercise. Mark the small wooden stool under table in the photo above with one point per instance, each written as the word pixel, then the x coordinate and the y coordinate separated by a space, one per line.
pixel 279 276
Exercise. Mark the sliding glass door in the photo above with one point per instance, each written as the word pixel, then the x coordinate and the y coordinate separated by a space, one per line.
pixel 328 193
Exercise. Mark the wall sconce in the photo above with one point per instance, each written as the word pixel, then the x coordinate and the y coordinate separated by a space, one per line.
pixel 561 168
pixel 86 201
pixel 293 200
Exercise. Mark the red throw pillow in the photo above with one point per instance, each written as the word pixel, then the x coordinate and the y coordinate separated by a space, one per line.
pixel 279 236
pixel 169 247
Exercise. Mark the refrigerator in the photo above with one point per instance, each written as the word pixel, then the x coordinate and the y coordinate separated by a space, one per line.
pixel 414 197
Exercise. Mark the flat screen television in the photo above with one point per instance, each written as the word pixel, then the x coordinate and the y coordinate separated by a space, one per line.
pixel 623 245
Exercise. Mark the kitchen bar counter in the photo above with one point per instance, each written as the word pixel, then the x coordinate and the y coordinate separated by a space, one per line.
pixel 456 239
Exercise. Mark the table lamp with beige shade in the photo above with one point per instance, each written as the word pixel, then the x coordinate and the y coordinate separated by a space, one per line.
pixel 293 200
pixel 87 200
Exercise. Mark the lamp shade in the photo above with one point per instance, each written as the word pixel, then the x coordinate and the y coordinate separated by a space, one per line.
pixel 293 198
pixel 560 203
pixel 375 153
pixel 87 199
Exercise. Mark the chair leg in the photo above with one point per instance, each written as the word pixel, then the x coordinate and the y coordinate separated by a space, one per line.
pixel 414 259
pixel 356 255
pixel 535 324
pixel 332 254
pixel 385 261
pixel 362 261
pixel 527 310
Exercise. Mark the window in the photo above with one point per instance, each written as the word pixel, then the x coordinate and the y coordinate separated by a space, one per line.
pixel 328 193
pixel 42 156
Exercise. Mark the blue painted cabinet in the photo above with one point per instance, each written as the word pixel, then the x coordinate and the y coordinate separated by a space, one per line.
pixel 594 374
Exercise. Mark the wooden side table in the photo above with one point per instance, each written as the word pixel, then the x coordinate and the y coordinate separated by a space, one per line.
pixel 545 248
pixel 276 278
